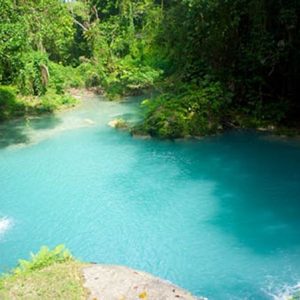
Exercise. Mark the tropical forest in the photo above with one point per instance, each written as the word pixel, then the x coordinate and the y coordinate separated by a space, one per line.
pixel 150 149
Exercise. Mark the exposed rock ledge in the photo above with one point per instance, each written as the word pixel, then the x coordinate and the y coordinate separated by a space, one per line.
pixel 107 282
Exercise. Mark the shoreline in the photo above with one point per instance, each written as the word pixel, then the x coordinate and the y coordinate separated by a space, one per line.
pixel 121 282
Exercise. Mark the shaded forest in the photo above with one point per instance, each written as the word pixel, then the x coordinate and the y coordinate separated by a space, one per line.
pixel 213 65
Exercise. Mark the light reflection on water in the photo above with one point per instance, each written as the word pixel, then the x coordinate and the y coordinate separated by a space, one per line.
pixel 5 224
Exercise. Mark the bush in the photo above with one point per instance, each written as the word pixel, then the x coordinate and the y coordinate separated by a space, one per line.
pixel 33 76
pixel 129 78
pixel 7 96
pixel 9 106
pixel 51 102
pixel 122 77
pixel 192 111
pixel 44 258
pixel 92 75
pixel 64 77
pixel 57 77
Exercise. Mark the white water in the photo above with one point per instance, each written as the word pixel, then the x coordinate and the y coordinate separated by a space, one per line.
pixel 5 224
pixel 287 292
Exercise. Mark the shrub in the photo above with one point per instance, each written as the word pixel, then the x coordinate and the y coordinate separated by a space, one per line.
pixel 91 74
pixel 51 102
pixel 193 110
pixel 9 106
pixel 7 96
pixel 44 258
pixel 33 76
pixel 57 77
pixel 128 78
pixel 64 77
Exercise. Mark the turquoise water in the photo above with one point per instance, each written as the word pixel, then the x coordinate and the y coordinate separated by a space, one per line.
pixel 218 216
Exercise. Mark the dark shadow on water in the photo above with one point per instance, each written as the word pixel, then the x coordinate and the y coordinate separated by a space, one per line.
pixel 258 191
pixel 10 135
pixel 257 185
pixel 48 121
pixel 15 132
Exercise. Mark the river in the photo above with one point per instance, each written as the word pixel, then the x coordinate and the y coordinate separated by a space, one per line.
pixel 219 216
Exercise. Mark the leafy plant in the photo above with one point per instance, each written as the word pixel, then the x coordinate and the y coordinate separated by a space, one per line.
pixel 49 274
pixel 44 258
pixel 9 105
pixel 51 102
pixel 194 110
pixel 34 75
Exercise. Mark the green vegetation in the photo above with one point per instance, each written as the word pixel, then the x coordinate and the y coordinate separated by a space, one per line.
pixel 32 34
pixel 50 274
pixel 249 47
pixel 215 64
pixel 187 110
pixel 13 106
pixel 9 106
pixel 295 297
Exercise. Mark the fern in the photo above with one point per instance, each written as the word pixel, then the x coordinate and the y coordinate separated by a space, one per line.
pixel 44 258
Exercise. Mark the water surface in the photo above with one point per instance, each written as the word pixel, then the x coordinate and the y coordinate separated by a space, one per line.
pixel 218 216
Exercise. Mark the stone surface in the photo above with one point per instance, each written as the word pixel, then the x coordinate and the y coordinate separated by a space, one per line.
pixel 113 123
pixel 107 282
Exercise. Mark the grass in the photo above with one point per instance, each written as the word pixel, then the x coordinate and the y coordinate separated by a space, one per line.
pixel 50 274
pixel 59 281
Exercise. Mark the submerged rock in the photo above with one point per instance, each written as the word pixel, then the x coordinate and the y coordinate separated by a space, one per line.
pixel 118 282
pixel 118 124
pixel 89 121
pixel 141 136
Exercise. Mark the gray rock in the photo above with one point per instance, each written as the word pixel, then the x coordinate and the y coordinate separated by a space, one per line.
pixel 107 282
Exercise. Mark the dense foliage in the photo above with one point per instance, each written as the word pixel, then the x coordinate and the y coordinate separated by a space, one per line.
pixel 187 110
pixel 252 47
pixel 213 63
pixel 33 35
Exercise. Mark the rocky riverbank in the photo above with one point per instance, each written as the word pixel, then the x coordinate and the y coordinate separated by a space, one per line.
pixel 120 283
